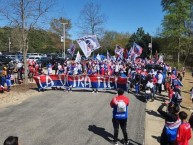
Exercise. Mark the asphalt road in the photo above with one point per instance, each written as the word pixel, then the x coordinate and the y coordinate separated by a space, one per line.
pixel 75 118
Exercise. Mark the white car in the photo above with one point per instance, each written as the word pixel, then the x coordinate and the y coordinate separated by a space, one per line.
pixel 33 59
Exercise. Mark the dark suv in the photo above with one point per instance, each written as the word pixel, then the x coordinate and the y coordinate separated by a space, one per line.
pixel 4 60
pixel 156 67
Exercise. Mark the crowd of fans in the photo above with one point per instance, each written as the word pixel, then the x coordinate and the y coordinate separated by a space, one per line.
pixel 151 81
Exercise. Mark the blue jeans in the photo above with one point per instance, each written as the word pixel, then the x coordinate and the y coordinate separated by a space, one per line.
pixel 137 88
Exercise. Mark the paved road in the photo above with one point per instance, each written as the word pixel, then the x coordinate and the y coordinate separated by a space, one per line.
pixel 75 118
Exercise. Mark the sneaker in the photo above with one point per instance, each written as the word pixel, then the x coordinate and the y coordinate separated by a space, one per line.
pixel 126 143
pixel 92 91
pixel 114 143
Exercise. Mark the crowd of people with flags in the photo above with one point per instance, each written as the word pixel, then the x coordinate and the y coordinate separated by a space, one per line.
pixel 151 81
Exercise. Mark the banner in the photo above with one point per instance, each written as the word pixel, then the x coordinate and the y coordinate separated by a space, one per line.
pixel 137 49
pixel 80 81
pixel 88 44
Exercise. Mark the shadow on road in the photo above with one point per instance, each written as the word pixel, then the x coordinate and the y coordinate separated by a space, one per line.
pixel 101 132
pixel 161 98
pixel 106 135
pixel 141 98
pixel 157 138
pixel 154 113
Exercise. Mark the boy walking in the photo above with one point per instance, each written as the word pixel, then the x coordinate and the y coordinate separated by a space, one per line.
pixel 184 130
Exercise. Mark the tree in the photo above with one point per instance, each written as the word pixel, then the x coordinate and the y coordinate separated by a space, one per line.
pixel 57 27
pixel 141 38
pixel 4 35
pixel 111 38
pixel 91 20
pixel 174 23
pixel 24 14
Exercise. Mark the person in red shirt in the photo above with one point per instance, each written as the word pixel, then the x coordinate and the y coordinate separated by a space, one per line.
pixel 154 80
pixel 31 72
pixel 120 114
pixel 184 130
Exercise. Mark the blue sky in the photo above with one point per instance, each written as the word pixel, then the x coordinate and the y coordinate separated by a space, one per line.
pixel 123 15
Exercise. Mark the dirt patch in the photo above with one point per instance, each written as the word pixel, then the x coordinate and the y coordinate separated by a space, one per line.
pixel 186 102
pixel 18 94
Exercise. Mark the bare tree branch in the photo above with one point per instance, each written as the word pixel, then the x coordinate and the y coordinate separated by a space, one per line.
pixel 91 19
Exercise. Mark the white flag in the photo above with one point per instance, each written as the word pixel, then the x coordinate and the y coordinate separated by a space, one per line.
pixel 78 57
pixel 108 55
pixel 98 57
pixel 88 44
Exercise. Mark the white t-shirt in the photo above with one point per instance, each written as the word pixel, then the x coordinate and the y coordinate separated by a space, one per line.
pixel 116 68
pixel 160 79
pixel 79 66
pixel 75 71
pixel 149 85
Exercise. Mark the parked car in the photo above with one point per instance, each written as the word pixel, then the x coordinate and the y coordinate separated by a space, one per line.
pixel 156 67
pixel 58 59
pixel 34 55
pixel 11 56
pixel 30 59
pixel 44 61
pixel 1 68
pixel 4 60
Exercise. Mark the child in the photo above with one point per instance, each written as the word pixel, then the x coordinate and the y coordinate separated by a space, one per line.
pixel 148 95
pixel 184 130
pixel 8 82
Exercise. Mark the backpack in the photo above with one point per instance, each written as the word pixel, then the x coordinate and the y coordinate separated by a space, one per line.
pixel 121 106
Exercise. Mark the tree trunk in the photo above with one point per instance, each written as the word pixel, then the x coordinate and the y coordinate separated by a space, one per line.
pixel 25 64
pixel 24 41
pixel 178 54
pixel 186 56
pixel 178 59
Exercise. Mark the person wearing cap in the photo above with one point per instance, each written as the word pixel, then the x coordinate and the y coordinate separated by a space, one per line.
pixel 120 114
